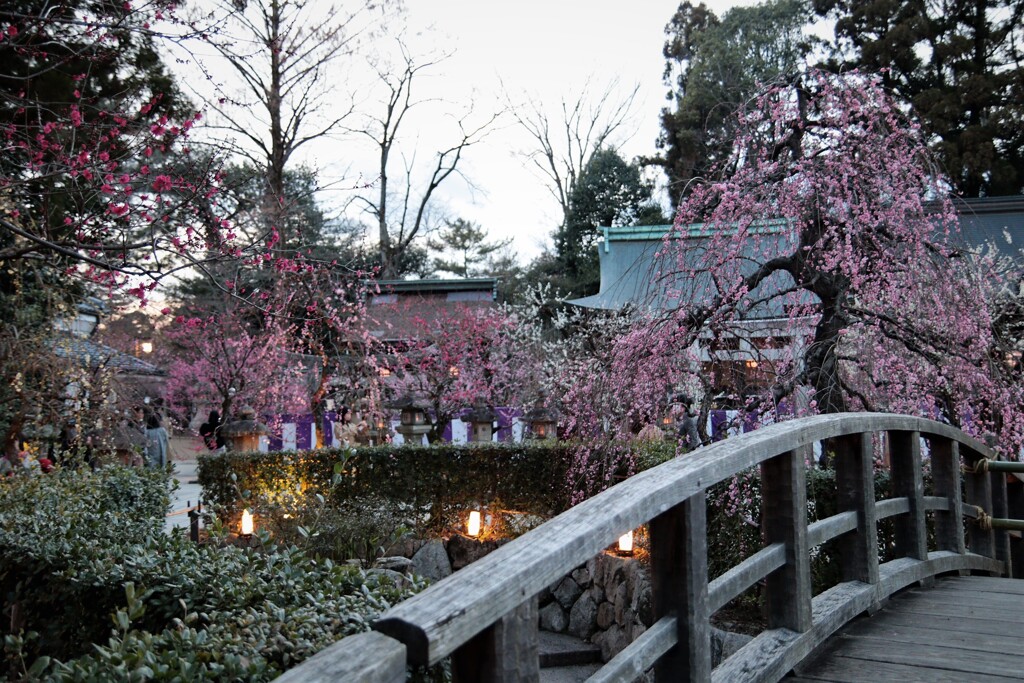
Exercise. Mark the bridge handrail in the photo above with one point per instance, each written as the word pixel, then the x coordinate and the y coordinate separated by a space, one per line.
pixel 485 615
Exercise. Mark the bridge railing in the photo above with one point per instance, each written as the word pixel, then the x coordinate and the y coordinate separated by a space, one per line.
pixel 485 616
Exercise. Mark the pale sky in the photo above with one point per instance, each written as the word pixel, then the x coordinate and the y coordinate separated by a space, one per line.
pixel 538 49
pixel 535 49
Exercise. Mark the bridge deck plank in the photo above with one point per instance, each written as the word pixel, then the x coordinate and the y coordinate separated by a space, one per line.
pixel 916 634
pixel 838 669
pixel 987 584
pixel 961 630
pixel 966 597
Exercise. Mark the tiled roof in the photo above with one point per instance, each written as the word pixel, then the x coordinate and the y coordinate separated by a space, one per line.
pixel 397 321
pixel 94 355
pixel 635 273
pixel 998 221
pixel 394 312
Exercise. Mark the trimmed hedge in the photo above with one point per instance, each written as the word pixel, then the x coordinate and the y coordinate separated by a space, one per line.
pixel 440 480
pixel 81 552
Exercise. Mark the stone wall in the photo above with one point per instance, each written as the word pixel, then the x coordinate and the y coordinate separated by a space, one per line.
pixel 606 601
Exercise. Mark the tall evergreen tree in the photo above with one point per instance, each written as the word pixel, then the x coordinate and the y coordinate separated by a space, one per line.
pixel 74 94
pixel 711 66
pixel 609 191
pixel 960 64
pixel 467 244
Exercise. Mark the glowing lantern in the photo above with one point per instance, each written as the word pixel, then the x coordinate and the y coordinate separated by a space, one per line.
pixel 626 543
pixel 247 524
pixel 473 525
pixel 542 421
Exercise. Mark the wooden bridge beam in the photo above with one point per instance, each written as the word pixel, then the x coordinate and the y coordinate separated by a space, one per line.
pixel 784 504
pixel 679 582
pixel 908 482
pixel 505 652
pixel 855 489
pixel 1001 509
pixel 978 491
pixel 949 524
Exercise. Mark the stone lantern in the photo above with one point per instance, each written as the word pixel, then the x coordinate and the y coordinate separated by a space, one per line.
pixel 542 421
pixel 244 432
pixel 481 419
pixel 415 422
pixel 380 430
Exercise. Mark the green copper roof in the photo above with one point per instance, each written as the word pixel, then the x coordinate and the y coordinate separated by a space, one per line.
pixel 647 233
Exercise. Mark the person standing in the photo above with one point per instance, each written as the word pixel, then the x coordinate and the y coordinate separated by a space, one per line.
pixel 688 432
pixel 156 442
pixel 210 431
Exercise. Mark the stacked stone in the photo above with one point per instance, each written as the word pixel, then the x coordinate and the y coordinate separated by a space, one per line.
pixel 606 601
pixel 438 558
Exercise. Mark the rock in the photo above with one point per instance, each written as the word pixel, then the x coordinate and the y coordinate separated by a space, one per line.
pixel 583 617
pixel 389 576
pixel 463 550
pixel 431 561
pixel 552 618
pixel 610 572
pixel 405 546
pixel 581 576
pixel 724 644
pixel 398 564
pixel 635 576
pixel 605 615
pixel 596 592
pixel 567 592
pixel 612 642
pixel 544 597
pixel 643 605
pixel 620 600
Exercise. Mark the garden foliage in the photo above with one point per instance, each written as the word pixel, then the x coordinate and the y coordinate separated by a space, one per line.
pixel 81 553
pixel 441 481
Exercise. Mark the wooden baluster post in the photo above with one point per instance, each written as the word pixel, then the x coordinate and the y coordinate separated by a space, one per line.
pixel 506 652
pixel 784 516
pixel 855 487
pixel 908 482
pixel 1000 509
pixel 679 581
pixel 978 490
pixel 949 525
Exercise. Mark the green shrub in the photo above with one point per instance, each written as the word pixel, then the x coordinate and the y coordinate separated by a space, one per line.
pixel 433 483
pixel 78 549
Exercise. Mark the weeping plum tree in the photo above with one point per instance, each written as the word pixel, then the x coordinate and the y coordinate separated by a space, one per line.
pixel 832 217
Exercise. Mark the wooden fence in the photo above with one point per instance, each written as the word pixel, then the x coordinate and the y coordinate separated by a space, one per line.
pixel 485 616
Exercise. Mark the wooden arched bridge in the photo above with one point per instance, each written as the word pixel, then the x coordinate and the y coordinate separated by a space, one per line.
pixel 485 616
